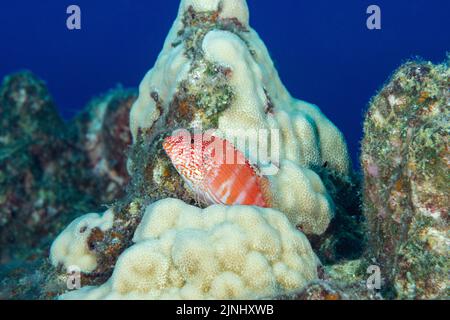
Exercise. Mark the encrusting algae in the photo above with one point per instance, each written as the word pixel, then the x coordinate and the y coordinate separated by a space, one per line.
pixel 405 160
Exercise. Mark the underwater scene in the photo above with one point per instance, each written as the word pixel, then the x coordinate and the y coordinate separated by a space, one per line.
pixel 224 150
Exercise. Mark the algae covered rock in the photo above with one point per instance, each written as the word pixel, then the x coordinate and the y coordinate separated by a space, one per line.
pixel 36 159
pixel 50 170
pixel 405 160
pixel 101 132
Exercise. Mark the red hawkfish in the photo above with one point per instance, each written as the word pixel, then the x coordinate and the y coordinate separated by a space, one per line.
pixel 216 180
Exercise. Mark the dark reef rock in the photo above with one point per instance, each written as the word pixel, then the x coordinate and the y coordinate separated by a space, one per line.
pixel 344 239
pixel 406 163
pixel 40 176
pixel 51 172
pixel 102 133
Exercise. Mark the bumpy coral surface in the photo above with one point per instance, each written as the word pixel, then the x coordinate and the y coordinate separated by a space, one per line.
pixel 184 252
pixel 71 247
pixel 214 72
pixel 405 160
pixel 158 241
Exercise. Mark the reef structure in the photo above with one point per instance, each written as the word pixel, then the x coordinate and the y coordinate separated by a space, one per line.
pixel 36 157
pixel 214 72
pixel 405 160
pixel 184 252
pixel 50 170
pixel 101 132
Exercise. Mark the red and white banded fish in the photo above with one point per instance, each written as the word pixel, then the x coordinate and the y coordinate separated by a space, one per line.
pixel 216 171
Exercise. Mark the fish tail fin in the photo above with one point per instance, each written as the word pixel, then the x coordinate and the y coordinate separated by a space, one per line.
pixel 266 191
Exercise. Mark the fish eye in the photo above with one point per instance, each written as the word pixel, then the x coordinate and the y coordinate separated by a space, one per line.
pixel 192 141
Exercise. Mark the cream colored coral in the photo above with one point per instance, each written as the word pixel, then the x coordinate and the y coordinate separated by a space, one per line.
pixel 183 252
pixel 171 67
pixel 303 197
pixel 230 8
pixel 70 247
pixel 308 138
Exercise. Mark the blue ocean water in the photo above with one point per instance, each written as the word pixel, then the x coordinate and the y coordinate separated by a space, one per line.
pixel 322 49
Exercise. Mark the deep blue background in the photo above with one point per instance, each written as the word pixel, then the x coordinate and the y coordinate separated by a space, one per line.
pixel 322 49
